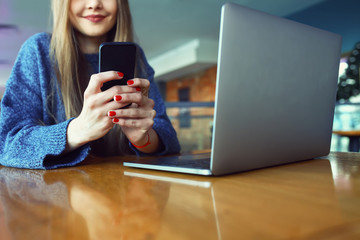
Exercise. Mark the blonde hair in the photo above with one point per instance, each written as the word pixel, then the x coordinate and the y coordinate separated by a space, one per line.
pixel 71 71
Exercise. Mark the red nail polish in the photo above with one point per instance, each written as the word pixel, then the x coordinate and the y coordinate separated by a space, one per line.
pixel 120 74
pixel 118 98
pixel 138 89
pixel 130 82
pixel 115 120
pixel 112 113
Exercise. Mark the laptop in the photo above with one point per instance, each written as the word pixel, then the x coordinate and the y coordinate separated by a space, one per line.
pixel 275 96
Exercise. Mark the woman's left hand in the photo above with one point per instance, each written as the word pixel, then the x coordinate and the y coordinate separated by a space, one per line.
pixel 136 121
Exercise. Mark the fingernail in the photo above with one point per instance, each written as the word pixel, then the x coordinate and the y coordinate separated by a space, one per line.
pixel 130 82
pixel 115 120
pixel 120 74
pixel 112 113
pixel 117 98
pixel 138 89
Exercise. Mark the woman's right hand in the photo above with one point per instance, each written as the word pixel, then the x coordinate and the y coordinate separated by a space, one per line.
pixel 93 121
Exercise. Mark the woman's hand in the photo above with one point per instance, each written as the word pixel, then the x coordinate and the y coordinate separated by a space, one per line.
pixel 100 113
pixel 93 122
pixel 136 120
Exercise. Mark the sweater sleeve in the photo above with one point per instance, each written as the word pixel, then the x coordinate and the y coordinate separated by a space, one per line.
pixel 162 124
pixel 29 136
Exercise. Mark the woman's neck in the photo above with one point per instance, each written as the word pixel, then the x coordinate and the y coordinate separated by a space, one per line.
pixel 90 45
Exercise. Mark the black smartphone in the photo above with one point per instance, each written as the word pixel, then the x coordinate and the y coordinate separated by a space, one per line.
pixel 120 57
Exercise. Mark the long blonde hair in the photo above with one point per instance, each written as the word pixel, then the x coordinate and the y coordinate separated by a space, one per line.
pixel 66 54
pixel 69 61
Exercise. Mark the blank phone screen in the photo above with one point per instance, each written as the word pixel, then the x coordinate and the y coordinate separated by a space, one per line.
pixel 120 57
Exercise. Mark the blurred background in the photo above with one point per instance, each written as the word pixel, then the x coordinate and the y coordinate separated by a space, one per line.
pixel 180 40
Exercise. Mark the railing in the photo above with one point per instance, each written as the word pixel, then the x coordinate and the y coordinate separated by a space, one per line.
pixel 346 118
pixel 193 123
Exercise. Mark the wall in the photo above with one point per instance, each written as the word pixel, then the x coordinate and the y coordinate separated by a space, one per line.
pixel 197 135
pixel 338 16
pixel 202 86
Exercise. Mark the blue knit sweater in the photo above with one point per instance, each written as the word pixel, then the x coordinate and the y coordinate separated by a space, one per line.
pixel 29 136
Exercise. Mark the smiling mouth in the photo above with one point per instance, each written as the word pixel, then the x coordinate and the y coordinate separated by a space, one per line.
pixel 95 18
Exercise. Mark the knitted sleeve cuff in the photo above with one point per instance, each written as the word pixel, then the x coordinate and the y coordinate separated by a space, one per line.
pixel 57 145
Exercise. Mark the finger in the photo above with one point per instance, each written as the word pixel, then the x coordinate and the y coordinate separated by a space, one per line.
pixel 137 98
pixel 141 84
pixel 105 97
pixel 132 113
pixel 117 103
pixel 138 82
pixel 97 80
pixel 140 124
pixel 114 93
pixel 119 89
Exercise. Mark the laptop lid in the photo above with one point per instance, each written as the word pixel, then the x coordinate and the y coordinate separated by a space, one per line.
pixel 275 96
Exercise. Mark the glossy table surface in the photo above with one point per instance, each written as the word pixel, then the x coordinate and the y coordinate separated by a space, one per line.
pixel 101 199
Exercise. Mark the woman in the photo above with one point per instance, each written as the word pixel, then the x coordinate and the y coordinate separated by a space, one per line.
pixel 53 113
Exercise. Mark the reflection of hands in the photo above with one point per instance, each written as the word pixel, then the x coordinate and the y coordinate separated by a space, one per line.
pixel 32 206
pixel 102 216
pixel 136 215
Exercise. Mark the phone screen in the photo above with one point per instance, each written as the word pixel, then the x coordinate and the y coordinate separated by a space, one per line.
pixel 120 57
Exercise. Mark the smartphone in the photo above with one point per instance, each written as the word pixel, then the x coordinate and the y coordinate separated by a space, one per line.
pixel 120 57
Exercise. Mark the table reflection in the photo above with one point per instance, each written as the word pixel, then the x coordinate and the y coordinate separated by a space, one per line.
pixel 82 203
pixel 33 209
pixel 191 210
pixel 346 174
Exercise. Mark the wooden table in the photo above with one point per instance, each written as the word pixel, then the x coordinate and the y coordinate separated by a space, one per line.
pixel 315 199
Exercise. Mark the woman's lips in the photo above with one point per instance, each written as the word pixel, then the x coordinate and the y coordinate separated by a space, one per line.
pixel 95 18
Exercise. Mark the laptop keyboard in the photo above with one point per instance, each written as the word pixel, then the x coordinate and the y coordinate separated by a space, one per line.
pixel 197 161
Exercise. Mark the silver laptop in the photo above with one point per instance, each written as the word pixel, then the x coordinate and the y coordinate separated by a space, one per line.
pixel 275 96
